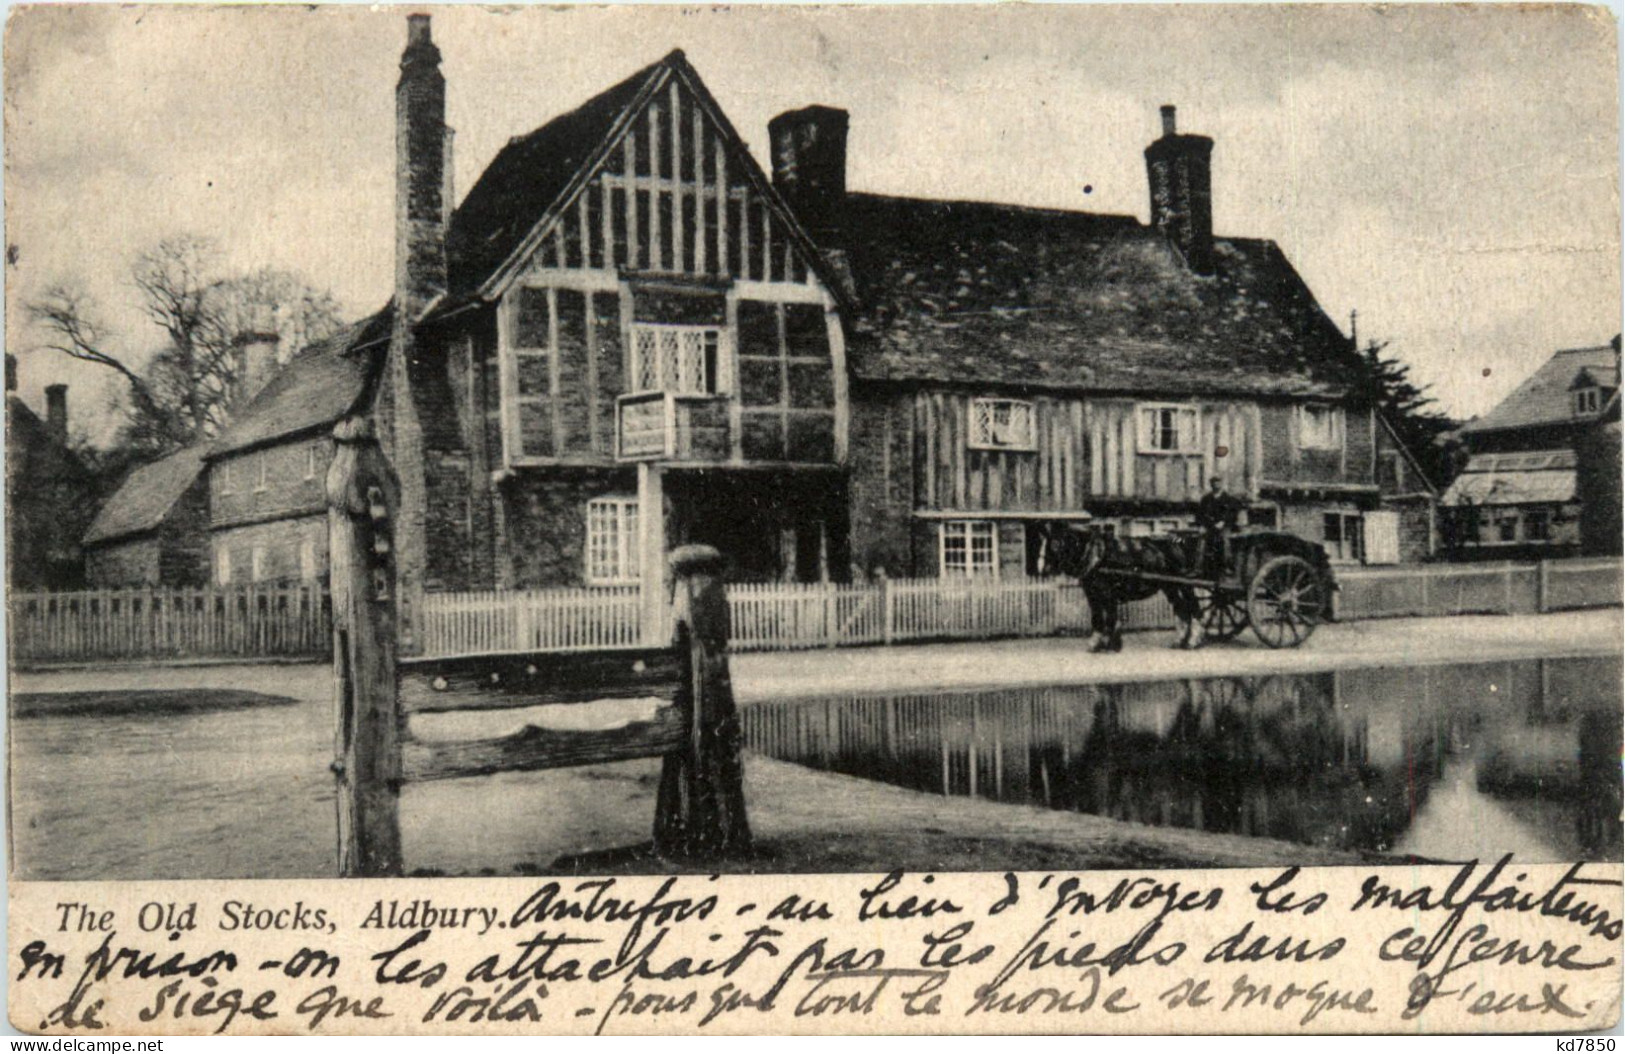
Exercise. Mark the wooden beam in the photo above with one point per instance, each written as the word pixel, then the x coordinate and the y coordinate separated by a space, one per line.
pixel 554 396
pixel 723 261
pixel 629 147
pixel 657 255
pixel 543 748
pixel 505 682
pixel 677 194
pixel 702 233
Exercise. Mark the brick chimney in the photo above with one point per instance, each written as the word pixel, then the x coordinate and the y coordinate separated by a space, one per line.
pixel 421 163
pixel 11 372
pixel 1180 172
pixel 809 169
pixel 257 345
pixel 56 411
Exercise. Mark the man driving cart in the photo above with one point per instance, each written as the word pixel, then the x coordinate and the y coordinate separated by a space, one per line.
pixel 1218 515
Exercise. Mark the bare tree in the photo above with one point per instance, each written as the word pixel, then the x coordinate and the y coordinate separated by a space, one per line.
pixel 223 336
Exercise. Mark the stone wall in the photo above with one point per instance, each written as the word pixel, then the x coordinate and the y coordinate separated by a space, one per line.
pixel 127 562
pixel 546 523
pixel 880 454
pixel 285 479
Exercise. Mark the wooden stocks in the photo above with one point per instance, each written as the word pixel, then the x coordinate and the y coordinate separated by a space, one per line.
pixel 700 811
pixel 361 502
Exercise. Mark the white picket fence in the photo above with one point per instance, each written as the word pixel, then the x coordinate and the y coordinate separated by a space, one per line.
pixel 772 616
pixel 141 623
pixel 1479 589
pixel 491 622
pixel 260 622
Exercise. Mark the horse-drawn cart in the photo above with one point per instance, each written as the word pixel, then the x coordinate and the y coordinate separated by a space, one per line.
pixel 1276 583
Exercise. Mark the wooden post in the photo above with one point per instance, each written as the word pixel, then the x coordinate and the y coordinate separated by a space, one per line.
pixel 652 553
pixel 700 811
pixel 888 606
pixel 362 497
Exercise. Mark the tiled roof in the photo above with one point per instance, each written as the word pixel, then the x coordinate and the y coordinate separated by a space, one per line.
pixel 527 176
pixel 1513 479
pixel 1002 295
pixel 146 496
pixel 1544 397
pixel 317 387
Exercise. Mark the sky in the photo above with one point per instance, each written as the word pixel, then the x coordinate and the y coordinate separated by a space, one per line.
pixel 1450 172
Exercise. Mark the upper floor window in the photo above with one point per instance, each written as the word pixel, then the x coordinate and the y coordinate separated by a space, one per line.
pixel 1320 427
pixel 262 479
pixel 612 540
pixel 1169 429
pixel 313 459
pixel 1587 401
pixel 969 548
pixel 1001 424
pixel 227 486
pixel 682 359
pixel 222 566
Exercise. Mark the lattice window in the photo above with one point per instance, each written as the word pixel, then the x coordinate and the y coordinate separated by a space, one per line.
pixel 1169 429
pixel 970 548
pixel 674 358
pixel 612 540
pixel 1005 424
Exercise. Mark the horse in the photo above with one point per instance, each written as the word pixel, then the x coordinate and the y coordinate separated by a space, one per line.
pixel 1109 568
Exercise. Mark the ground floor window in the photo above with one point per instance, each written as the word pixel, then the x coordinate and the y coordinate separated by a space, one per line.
pixel 1537 525
pixel 1343 535
pixel 612 540
pixel 970 548
pixel 222 566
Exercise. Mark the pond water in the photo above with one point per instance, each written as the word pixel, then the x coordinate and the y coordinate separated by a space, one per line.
pixel 1443 762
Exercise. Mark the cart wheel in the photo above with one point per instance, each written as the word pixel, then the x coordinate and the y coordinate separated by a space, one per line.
pixel 1223 613
pixel 1285 601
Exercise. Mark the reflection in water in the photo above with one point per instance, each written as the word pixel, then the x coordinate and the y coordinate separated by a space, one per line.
pixel 1443 762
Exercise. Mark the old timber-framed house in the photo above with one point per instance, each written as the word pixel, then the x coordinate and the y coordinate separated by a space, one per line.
pixel 621 341
pixel 1013 366
pixel 627 337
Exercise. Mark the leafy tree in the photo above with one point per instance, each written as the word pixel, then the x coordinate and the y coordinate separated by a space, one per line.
pixel 1413 413
pixel 214 353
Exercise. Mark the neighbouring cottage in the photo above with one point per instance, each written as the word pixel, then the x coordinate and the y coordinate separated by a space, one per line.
pixel 1012 366
pixel 154 529
pixel 267 497
pixel 1518 496
pixel 1597 482
pixel 50 494
pixel 628 337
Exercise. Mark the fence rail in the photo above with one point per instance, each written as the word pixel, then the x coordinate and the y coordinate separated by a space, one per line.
pixel 252 622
